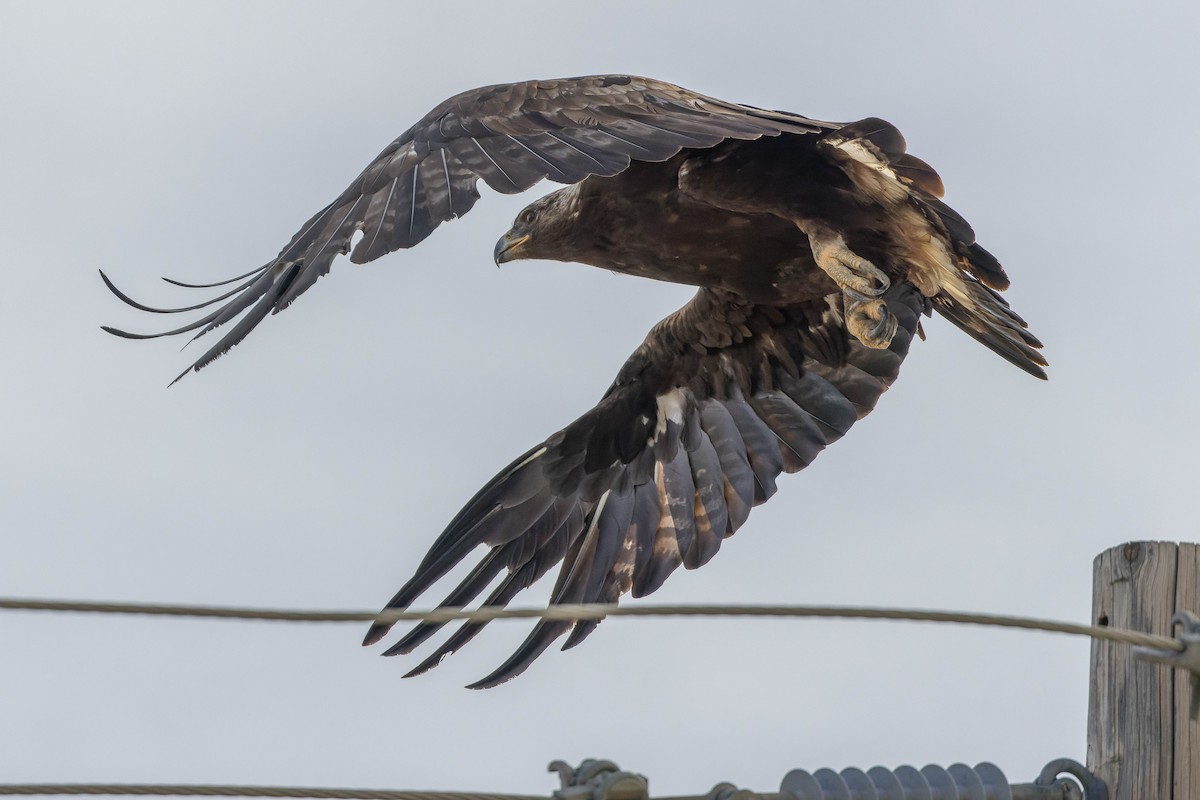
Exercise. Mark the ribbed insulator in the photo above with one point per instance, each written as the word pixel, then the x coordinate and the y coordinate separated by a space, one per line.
pixel 958 782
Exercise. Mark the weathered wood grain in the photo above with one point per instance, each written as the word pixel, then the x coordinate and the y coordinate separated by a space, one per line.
pixel 1187 730
pixel 1130 708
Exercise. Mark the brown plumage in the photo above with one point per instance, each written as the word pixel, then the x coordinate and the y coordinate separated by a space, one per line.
pixel 816 247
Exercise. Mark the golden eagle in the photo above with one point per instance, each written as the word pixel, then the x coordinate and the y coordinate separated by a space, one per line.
pixel 816 246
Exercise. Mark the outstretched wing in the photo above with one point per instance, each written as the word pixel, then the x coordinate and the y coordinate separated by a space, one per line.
pixel 720 399
pixel 511 136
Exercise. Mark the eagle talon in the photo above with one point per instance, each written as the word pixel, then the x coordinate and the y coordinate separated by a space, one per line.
pixel 850 271
pixel 870 321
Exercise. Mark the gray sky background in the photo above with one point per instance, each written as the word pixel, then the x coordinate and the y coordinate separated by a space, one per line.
pixel 314 465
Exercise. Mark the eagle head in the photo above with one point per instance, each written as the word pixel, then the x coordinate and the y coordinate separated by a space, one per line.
pixel 546 228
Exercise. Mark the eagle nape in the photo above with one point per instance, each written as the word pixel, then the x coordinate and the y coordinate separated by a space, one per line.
pixel 815 248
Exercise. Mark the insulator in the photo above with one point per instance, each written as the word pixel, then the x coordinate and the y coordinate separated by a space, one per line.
pixel 603 780
pixel 957 782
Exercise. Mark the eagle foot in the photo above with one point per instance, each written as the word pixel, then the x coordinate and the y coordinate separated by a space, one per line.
pixel 869 320
pixel 850 271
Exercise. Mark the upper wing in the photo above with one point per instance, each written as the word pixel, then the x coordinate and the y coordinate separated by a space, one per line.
pixel 720 399
pixel 511 136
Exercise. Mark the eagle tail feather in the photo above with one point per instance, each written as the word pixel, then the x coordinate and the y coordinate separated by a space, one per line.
pixel 985 317
pixel 984 266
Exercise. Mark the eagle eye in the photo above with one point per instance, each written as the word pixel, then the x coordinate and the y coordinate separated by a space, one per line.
pixel 527 217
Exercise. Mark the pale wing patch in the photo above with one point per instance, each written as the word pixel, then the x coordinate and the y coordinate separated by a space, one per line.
pixel 670 409
pixel 932 269
pixel 871 172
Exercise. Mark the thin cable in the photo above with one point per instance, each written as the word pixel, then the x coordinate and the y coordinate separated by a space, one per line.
pixel 600 611
pixel 175 789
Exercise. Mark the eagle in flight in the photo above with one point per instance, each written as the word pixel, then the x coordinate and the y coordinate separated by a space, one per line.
pixel 815 247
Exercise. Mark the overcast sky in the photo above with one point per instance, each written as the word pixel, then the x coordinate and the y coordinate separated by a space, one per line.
pixel 314 465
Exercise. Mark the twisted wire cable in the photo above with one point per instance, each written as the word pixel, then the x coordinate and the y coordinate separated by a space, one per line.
pixel 600 611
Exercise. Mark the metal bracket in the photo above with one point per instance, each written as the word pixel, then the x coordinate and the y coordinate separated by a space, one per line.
pixel 727 791
pixel 1188 658
pixel 1048 784
pixel 595 779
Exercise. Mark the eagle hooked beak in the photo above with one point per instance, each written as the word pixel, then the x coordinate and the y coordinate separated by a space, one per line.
pixel 508 248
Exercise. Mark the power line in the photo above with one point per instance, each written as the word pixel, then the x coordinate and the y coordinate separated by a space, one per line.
pixel 599 611
pixel 185 790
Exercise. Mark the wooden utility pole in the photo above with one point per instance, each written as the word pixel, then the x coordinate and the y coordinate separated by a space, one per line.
pixel 1141 740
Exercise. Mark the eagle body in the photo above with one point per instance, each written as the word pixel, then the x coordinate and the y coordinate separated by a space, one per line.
pixel 643 222
pixel 815 248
